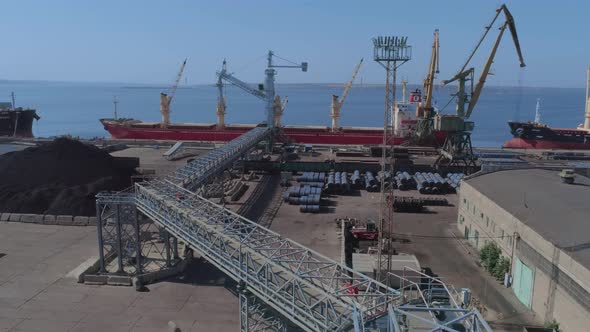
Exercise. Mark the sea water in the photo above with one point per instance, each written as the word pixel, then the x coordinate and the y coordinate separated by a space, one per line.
pixel 75 108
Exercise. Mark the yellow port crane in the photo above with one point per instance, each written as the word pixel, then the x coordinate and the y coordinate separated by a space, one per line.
pixel 166 99
pixel 337 103
pixel 425 109
pixel 467 74
pixel 457 146
pixel 279 108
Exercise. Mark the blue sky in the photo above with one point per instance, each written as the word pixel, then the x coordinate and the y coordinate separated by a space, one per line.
pixel 144 41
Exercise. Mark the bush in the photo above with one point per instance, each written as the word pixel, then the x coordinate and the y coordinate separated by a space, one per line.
pixel 489 255
pixel 502 267
pixel 552 325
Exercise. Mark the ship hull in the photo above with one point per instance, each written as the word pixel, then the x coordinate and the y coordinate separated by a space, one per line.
pixel 209 133
pixel 18 122
pixel 529 135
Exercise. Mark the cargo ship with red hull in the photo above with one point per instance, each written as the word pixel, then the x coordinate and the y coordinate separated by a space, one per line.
pixel 531 135
pixel 134 129
pixel 536 135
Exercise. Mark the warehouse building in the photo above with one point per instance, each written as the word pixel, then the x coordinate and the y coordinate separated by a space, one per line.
pixel 543 226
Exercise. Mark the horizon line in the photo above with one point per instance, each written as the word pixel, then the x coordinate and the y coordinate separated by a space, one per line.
pixel 158 85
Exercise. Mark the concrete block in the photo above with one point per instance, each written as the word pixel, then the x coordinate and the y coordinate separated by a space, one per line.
pixel 14 217
pixel 31 218
pixel 4 216
pixel 80 221
pixel 119 281
pixel 92 221
pixel 50 219
pixel 64 220
pixel 95 279
pixel 90 266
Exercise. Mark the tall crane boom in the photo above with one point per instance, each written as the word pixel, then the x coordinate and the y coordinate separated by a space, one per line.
pixel 224 75
pixel 266 91
pixel 425 109
pixel 463 74
pixel 337 103
pixel 177 81
pixel 166 99
pixel 457 147
pixel 433 69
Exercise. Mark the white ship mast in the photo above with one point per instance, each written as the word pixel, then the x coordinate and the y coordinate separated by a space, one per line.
pixel 538 111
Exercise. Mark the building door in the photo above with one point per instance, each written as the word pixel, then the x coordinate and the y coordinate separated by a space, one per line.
pixel 466 232
pixel 523 280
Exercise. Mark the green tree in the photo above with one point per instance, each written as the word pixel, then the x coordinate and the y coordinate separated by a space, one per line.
pixel 489 255
pixel 501 268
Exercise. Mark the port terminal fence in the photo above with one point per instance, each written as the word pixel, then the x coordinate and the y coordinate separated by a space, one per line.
pixel 281 283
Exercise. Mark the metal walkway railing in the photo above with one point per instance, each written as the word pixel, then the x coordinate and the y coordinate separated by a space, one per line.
pixel 194 174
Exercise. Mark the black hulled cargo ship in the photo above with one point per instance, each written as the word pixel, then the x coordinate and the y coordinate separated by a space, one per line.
pixel 536 135
pixel 17 122
pixel 532 135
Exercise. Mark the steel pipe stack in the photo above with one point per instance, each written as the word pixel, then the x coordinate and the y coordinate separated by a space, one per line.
pixel 312 177
pixel 356 180
pixel 309 208
pixel 370 182
pixel 331 185
pixel 454 180
pixel 344 184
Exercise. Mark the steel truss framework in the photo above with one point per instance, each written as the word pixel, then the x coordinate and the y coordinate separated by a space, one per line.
pixel 199 171
pixel 315 292
pixel 431 305
pixel 280 280
pixel 256 316
pixel 123 233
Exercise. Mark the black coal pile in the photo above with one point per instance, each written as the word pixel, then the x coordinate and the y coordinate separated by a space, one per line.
pixel 59 177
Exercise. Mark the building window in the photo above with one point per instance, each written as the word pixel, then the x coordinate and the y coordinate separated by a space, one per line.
pixel 493 227
pixel 476 239
pixel 461 219
pixel 481 215
pixel 502 234
pixel 487 222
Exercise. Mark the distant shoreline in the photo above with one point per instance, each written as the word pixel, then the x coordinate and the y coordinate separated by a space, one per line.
pixel 125 85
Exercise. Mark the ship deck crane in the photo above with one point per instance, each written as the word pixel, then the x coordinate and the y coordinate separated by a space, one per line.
pixel 166 99
pixel 457 146
pixel 265 91
pixel 337 103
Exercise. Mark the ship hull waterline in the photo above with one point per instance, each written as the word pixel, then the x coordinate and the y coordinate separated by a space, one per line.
pixel 535 136
pixel 209 133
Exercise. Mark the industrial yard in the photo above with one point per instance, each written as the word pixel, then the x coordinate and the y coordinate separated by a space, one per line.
pixel 268 226
pixel 431 235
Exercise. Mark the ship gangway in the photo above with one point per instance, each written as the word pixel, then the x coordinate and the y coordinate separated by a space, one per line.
pixel 282 284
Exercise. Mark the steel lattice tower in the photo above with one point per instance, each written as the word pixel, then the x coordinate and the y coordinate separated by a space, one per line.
pixel 390 52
